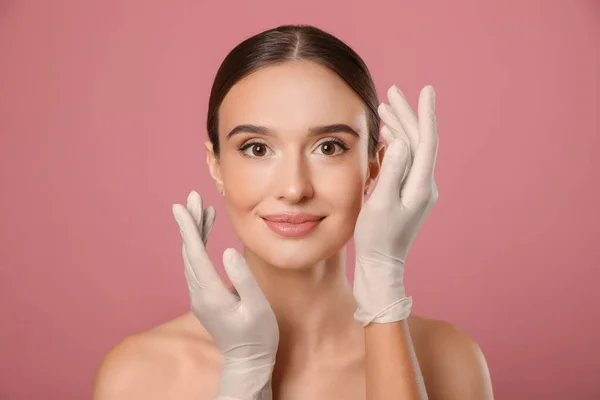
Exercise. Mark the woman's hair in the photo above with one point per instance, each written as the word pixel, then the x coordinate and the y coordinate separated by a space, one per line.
pixel 292 43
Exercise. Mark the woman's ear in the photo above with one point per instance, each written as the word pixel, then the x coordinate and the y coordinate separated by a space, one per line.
pixel 374 167
pixel 213 166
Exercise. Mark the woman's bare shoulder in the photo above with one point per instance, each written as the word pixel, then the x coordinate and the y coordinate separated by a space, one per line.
pixel 425 329
pixel 435 336
pixel 453 364
pixel 177 357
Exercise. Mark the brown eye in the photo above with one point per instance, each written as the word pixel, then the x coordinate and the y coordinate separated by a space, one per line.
pixel 328 149
pixel 255 150
pixel 332 148
pixel 258 150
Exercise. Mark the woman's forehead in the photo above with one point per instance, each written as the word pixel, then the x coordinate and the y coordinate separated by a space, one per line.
pixel 294 94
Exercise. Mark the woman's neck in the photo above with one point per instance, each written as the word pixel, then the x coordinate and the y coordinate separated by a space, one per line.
pixel 314 308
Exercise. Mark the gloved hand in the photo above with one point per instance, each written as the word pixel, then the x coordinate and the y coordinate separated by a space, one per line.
pixel 243 327
pixel 389 221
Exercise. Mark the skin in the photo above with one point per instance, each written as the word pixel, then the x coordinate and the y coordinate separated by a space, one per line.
pixel 321 352
pixel 391 370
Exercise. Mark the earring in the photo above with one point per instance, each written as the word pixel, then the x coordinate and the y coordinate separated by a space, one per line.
pixel 222 191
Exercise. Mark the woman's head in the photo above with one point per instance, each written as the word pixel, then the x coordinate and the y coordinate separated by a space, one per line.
pixel 293 128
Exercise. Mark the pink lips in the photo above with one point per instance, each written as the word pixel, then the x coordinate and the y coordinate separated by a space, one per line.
pixel 293 224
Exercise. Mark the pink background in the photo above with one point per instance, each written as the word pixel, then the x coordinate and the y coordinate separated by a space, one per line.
pixel 102 112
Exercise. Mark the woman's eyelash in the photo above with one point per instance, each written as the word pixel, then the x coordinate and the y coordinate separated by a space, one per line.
pixel 247 145
pixel 242 149
pixel 336 141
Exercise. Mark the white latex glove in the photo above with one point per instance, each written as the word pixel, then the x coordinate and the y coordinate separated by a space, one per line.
pixel 389 221
pixel 243 327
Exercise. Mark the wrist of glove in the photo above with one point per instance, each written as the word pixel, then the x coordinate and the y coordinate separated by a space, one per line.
pixel 377 303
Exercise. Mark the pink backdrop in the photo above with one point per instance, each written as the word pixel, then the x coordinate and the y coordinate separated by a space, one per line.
pixel 102 112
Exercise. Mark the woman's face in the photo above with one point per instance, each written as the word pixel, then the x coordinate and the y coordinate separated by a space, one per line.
pixel 293 162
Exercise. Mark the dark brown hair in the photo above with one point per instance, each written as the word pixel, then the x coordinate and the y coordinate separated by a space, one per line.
pixel 291 43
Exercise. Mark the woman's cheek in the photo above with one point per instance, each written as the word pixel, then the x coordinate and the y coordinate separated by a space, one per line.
pixel 243 180
pixel 343 186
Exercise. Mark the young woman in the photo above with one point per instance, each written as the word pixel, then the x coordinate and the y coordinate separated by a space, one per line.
pixel 294 148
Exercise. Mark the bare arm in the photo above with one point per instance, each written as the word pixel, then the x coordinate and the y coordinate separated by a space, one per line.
pixel 392 370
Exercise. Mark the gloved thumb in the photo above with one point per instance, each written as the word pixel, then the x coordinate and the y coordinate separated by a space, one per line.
pixel 395 167
pixel 242 279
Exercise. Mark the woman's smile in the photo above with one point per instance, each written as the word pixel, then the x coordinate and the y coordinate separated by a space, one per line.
pixel 293 225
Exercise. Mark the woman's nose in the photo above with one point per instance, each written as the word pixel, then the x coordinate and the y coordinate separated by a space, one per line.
pixel 293 180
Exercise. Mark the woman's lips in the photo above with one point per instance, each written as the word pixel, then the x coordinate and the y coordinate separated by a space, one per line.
pixel 292 225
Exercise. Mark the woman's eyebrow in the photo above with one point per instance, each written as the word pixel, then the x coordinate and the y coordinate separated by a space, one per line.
pixel 335 128
pixel 314 131
pixel 261 130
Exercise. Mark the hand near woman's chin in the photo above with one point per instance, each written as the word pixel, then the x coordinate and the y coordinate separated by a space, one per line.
pixel 389 221
pixel 242 326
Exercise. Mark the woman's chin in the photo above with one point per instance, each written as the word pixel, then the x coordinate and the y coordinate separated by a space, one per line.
pixel 298 257
pixel 294 265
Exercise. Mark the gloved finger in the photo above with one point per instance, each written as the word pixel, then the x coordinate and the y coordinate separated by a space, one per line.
pixel 188 271
pixel 204 218
pixel 387 134
pixel 200 271
pixel 405 114
pixel 242 279
pixel 387 115
pixel 212 299
pixel 208 220
pixel 394 169
pixel 421 176
pixel 194 207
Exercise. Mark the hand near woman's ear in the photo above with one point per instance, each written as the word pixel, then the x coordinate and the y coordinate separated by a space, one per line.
pixel 243 327
pixel 389 221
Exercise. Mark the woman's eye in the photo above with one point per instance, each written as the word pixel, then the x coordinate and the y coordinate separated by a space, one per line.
pixel 332 148
pixel 260 150
pixel 256 150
